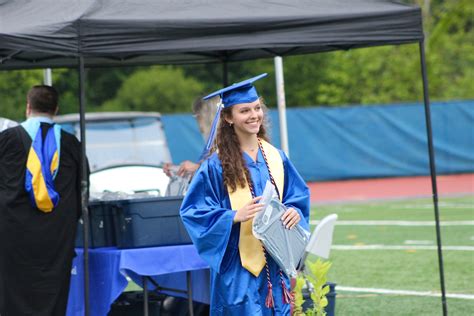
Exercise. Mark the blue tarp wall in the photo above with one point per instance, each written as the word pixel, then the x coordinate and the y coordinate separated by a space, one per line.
pixel 358 141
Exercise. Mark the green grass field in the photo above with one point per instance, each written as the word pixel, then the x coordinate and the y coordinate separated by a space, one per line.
pixel 401 269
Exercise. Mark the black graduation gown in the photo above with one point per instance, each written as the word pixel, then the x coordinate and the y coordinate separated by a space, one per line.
pixel 36 248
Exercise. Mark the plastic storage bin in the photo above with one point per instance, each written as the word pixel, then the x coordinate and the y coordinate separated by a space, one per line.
pixel 149 222
pixel 101 223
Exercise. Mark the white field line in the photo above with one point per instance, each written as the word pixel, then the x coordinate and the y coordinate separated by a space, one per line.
pixel 429 206
pixel 418 242
pixel 402 292
pixel 349 205
pixel 398 223
pixel 399 247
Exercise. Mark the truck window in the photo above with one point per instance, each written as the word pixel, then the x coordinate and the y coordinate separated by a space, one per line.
pixel 131 141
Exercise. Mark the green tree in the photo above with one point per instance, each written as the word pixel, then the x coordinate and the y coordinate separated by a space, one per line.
pixel 66 81
pixel 451 47
pixel 101 84
pixel 162 88
pixel 392 74
pixel 371 75
pixel 13 89
pixel 212 78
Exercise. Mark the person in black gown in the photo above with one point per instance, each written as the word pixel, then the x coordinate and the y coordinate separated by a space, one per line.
pixel 37 241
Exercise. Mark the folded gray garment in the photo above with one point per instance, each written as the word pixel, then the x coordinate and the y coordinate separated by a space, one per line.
pixel 286 246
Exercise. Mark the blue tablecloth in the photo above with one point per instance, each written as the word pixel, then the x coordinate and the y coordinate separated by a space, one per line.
pixel 109 267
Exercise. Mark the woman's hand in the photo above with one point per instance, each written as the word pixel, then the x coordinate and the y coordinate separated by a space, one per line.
pixel 248 211
pixel 187 168
pixel 167 169
pixel 290 218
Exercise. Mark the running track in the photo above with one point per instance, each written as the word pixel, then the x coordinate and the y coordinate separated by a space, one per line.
pixel 390 188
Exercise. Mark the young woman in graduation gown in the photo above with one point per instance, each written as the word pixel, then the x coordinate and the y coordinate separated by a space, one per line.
pixel 223 199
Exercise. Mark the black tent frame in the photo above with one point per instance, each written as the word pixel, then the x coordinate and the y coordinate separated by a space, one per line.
pixel 225 58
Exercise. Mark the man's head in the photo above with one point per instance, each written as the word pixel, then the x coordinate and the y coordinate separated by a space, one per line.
pixel 42 100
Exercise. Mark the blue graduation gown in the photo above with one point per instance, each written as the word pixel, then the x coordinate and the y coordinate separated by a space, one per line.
pixel 207 214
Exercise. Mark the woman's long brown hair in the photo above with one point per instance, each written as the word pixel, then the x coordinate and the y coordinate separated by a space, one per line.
pixel 235 171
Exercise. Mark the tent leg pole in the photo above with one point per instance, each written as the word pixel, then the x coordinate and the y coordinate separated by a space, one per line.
pixel 84 183
pixel 281 100
pixel 47 77
pixel 426 99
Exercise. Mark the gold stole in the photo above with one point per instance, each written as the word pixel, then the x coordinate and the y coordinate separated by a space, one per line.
pixel 250 248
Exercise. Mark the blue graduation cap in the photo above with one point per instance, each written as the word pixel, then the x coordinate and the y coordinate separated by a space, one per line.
pixel 241 92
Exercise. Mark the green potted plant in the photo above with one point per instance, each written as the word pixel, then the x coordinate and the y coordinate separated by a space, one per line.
pixel 314 276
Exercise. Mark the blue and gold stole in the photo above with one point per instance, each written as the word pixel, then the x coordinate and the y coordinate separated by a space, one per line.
pixel 251 252
pixel 42 164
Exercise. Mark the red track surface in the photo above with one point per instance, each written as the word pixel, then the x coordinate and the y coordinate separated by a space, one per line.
pixel 389 188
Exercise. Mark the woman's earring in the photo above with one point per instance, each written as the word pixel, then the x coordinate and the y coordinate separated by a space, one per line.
pixel 230 124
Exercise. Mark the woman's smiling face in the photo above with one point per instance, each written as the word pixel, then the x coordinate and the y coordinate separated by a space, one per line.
pixel 246 118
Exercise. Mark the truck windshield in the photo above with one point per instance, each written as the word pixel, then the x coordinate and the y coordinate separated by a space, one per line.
pixel 134 141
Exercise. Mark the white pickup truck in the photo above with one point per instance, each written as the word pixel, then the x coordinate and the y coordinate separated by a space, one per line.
pixel 126 151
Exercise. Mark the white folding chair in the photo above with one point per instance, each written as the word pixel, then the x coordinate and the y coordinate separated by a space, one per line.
pixel 321 239
pixel 319 244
